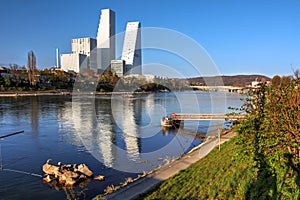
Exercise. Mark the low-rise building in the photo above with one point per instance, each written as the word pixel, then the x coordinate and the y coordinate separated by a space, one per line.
pixel 118 67
pixel 82 55
pixel 73 62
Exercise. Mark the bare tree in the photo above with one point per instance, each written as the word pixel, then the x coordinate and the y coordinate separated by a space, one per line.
pixel 31 64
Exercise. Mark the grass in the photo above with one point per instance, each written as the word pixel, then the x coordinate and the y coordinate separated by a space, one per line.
pixel 225 174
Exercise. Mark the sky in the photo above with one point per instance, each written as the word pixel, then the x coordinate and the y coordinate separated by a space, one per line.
pixel 241 37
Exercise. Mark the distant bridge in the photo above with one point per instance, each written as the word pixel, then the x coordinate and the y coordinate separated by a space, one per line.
pixel 220 88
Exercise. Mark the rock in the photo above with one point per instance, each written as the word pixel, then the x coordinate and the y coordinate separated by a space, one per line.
pixel 99 178
pixel 82 176
pixel 66 175
pixel 85 170
pixel 57 174
pixel 70 182
pixel 70 174
pixel 47 178
pixel 50 169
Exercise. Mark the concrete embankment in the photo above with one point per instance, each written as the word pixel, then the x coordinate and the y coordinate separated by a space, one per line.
pixel 144 185
pixel 29 94
pixel 16 94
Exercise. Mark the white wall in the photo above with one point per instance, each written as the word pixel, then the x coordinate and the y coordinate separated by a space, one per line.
pixel 73 62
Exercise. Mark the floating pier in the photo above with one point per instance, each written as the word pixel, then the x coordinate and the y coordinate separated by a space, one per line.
pixel 176 120
pixel 207 117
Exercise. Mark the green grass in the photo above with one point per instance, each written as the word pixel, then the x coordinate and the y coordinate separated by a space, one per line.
pixel 225 174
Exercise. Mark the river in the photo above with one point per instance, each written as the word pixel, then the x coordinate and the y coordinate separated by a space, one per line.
pixel 118 137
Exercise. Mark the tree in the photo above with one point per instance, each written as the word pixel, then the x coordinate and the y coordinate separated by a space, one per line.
pixel 7 81
pixel 275 81
pixel 31 64
pixel 15 69
pixel 272 133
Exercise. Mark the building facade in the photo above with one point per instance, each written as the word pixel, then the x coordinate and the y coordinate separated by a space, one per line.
pixel 132 54
pixel 86 46
pixel 83 45
pixel 73 62
pixel 82 48
pixel 117 66
pixel 100 53
pixel 106 40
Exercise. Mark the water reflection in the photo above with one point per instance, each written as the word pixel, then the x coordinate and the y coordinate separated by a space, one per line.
pixel 120 131
pixel 105 135
pixel 123 134
pixel 131 113
pixel 113 130
pixel 34 114
pixel 93 129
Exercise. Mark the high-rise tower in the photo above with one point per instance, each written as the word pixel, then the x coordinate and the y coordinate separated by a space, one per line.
pixel 132 54
pixel 106 40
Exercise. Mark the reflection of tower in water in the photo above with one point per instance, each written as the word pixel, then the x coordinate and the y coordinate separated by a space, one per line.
pixel 105 134
pixel 93 125
pixel 131 114
pixel 127 115
pixel 93 129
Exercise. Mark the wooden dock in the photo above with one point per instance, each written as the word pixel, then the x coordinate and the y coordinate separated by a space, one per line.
pixel 207 117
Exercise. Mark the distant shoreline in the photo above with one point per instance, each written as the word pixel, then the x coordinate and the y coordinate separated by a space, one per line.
pixel 22 94
pixel 39 93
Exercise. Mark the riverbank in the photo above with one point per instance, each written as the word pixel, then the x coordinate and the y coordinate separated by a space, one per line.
pixel 224 174
pixel 153 179
pixel 33 93
pixel 57 93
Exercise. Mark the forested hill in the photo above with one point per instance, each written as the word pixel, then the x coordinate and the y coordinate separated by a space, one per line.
pixel 237 80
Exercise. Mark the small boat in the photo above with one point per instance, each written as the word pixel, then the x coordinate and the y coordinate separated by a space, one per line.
pixel 168 121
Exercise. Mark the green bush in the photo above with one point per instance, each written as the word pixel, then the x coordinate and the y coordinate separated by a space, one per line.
pixel 272 134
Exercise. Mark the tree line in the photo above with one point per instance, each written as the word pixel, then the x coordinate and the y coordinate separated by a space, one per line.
pixel 271 135
pixel 18 79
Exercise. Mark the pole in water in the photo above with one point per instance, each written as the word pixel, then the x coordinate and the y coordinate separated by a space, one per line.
pixel 8 135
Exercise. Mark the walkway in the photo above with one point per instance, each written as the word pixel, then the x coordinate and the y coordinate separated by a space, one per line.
pixel 143 185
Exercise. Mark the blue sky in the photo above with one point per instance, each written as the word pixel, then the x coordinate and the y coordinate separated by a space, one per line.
pixel 241 36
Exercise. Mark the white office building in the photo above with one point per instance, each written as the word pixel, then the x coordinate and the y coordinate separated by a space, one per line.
pixel 81 56
pixel 132 54
pixel 73 62
pixel 100 53
pixel 106 40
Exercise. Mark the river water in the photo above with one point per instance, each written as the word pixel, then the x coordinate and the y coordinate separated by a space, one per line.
pixel 118 137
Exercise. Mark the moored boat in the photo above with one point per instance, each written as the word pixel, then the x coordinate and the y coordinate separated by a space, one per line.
pixel 169 121
pixel 166 121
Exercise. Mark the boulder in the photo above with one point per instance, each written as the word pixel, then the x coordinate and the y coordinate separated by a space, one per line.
pixel 47 178
pixel 70 174
pixel 50 169
pixel 66 175
pixel 70 182
pixel 99 178
pixel 82 168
